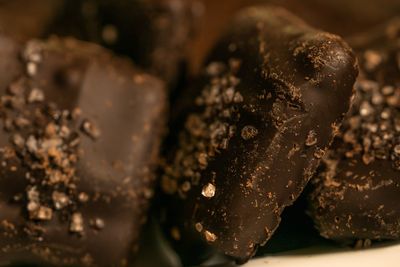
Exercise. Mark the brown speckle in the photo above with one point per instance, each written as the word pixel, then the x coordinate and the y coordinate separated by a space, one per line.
pixel 249 132
pixel 110 34
pixel 209 236
pixel 31 69
pixel 98 223
pixel 208 190
pixel 372 59
pixel 36 95
pixel 311 138
pixel 60 200
pixel 175 233
pixel 319 153
pixel 199 227
pixel 90 129
pixel 76 225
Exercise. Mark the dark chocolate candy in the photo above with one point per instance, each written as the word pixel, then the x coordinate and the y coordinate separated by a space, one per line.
pixel 274 93
pixel 341 17
pixel 357 192
pixel 78 146
pixel 154 33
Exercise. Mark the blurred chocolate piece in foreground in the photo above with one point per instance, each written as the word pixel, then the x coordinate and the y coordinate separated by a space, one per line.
pixel 80 135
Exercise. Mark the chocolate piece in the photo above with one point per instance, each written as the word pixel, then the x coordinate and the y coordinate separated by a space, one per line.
pixel 341 17
pixel 274 92
pixel 154 33
pixel 80 142
pixel 357 192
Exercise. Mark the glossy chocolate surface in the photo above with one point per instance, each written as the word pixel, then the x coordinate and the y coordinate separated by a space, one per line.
pixel 357 191
pixel 274 92
pixel 79 141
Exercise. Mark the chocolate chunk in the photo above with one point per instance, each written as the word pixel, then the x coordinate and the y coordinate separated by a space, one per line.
pixel 357 191
pixel 154 33
pixel 266 109
pixel 76 181
pixel 341 17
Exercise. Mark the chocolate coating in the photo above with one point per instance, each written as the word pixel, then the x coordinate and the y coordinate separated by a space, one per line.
pixel 77 191
pixel 341 17
pixel 154 33
pixel 274 92
pixel 357 191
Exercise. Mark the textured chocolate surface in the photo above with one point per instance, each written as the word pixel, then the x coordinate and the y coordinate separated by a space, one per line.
pixel 274 92
pixel 79 141
pixel 154 33
pixel 356 195
pixel 341 17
